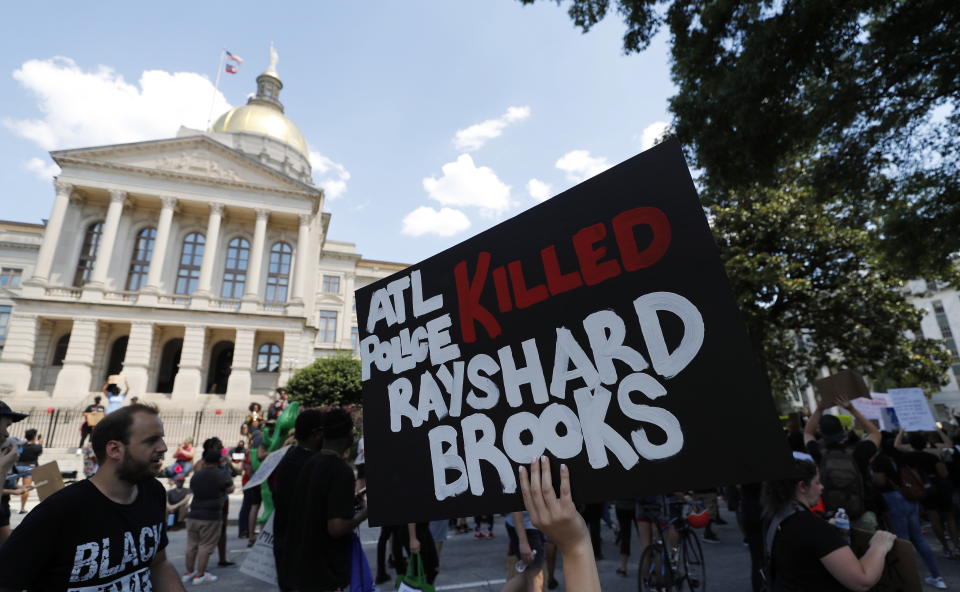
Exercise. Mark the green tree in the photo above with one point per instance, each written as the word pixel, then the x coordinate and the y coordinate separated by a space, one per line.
pixel 863 93
pixel 813 293
pixel 327 381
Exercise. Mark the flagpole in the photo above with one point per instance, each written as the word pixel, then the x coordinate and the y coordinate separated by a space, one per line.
pixel 216 87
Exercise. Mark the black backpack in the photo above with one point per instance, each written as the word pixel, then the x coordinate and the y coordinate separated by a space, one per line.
pixel 842 483
pixel 767 572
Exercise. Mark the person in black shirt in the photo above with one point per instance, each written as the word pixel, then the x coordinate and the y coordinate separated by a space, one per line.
pixel 108 531
pixel 91 415
pixel 308 431
pixel 938 503
pixel 210 486
pixel 318 543
pixel 29 455
pixel 807 553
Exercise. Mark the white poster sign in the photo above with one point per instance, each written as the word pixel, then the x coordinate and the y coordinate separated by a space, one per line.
pixel 913 411
pixel 266 467
pixel 870 408
pixel 260 561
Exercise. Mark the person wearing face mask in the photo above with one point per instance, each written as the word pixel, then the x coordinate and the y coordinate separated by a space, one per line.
pixel 806 552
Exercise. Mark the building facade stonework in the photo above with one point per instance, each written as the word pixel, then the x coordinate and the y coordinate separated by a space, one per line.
pixel 198 267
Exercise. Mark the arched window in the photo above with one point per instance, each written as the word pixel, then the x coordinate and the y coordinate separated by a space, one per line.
pixel 235 269
pixel 278 273
pixel 60 350
pixel 268 358
pixel 88 254
pixel 140 261
pixel 188 274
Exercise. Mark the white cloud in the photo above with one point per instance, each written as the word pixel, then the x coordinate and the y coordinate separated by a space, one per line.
pixel 330 175
pixel 579 165
pixel 538 190
pixel 442 222
pixel 89 108
pixel 652 134
pixel 475 136
pixel 43 169
pixel 465 184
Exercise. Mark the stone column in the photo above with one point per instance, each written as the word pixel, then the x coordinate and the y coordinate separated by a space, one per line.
pixel 189 379
pixel 292 356
pixel 94 289
pixel 18 351
pixel 137 360
pixel 252 292
pixel 148 295
pixel 202 296
pixel 51 234
pixel 77 372
pixel 241 372
pixel 302 264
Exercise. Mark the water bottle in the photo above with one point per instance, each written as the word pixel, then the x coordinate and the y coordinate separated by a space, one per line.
pixel 842 521
pixel 521 565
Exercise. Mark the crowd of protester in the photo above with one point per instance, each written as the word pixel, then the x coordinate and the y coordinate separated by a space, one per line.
pixel 796 531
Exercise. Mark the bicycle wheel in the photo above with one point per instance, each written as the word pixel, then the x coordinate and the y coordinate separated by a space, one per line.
pixel 654 570
pixel 693 576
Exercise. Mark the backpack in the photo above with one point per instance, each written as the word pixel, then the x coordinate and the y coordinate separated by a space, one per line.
pixel 842 483
pixel 914 486
pixel 767 571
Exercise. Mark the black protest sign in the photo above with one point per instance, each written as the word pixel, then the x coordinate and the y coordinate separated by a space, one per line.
pixel 597 328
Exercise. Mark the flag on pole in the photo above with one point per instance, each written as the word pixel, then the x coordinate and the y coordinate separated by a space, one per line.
pixel 230 69
pixel 234 57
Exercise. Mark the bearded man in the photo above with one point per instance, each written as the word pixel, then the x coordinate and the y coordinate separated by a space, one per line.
pixel 104 533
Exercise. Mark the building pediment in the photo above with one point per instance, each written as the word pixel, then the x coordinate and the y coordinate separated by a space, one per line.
pixel 197 158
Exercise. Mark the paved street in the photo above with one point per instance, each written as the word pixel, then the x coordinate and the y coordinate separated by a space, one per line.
pixel 472 565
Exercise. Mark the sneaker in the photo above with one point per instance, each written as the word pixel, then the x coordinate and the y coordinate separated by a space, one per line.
pixel 207 578
pixel 936 582
pixel 711 538
pixel 478 535
pixel 186 577
pixel 490 535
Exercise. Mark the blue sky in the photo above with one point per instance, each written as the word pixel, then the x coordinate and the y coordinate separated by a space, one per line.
pixel 429 121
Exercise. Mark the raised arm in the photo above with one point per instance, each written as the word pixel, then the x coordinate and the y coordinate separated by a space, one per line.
pixel 810 431
pixel 558 519
pixel 900 444
pixel 872 431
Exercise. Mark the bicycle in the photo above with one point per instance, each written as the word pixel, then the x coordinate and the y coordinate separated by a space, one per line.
pixel 664 567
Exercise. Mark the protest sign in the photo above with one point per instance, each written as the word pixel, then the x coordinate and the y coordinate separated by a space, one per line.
pixel 913 411
pixel 597 328
pixel 259 562
pixel 847 383
pixel 47 479
pixel 266 468
pixel 870 408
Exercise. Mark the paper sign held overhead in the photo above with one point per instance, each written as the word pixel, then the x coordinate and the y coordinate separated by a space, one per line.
pixel 847 383
pixel 913 411
pixel 597 328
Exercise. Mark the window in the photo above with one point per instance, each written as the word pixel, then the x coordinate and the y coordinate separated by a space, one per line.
pixel 60 351
pixel 331 284
pixel 140 261
pixel 235 270
pixel 328 326
pixel 355 339
pixel 268 358
pixel 88 254
pixel 4 321
pixel 10 277
pixel 188 274
pixel 278 272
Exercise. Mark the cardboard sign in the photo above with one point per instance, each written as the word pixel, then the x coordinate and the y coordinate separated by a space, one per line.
pixel 900 570
pixel 93 417
pixel 47 479
pixel 597 328
pixel 913 411
pixel 266 467
pixel 848 383
pixel 260 562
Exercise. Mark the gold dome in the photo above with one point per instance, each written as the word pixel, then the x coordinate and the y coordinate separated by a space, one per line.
pixel 262 119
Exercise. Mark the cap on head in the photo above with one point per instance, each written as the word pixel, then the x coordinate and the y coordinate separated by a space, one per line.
pixel 5 411
pixel 832 429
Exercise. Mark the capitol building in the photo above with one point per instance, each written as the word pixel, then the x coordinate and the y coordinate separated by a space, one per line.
pixel 198 267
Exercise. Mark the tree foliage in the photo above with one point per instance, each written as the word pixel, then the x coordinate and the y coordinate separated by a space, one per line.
pixel 333 381
pixel 863 93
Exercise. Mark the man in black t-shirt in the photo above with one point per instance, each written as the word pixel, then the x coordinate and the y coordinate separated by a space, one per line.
pixel 210 487
pixel 106 532
pixel 91 415
pixel 318 542
pixel 308 431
